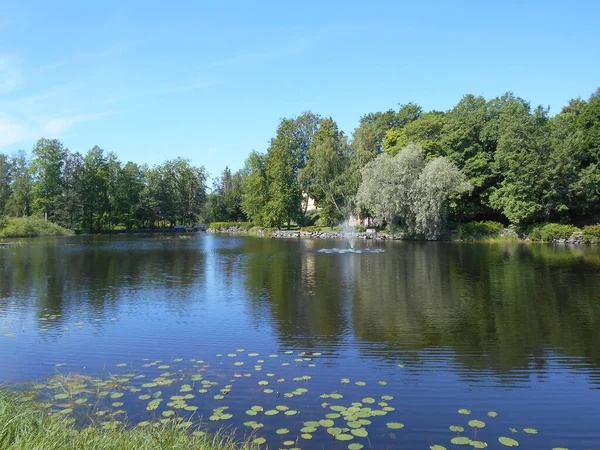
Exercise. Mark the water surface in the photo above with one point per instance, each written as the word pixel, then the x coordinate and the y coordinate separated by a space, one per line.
pixel 439 327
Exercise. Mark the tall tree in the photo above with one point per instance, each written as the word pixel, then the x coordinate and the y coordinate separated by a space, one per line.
pixel 5 170
pixel 326 174
pixel 48 157
pixel 285 193
pixel 255 187
pixel 19 202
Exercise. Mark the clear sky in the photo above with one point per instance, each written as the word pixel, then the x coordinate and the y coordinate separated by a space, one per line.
pixel 210 80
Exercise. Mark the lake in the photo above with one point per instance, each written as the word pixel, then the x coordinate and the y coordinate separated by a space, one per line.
pixel 307 349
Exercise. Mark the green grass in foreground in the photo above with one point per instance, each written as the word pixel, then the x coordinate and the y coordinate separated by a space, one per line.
pixel 16 227
pixel 23 427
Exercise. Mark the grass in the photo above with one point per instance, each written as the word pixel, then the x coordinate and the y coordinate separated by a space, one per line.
pixel 17 227
pixel 24 427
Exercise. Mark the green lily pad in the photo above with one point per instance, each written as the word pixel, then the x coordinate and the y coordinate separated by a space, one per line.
pixel 344 437
pixel 259 440
pixel 492 414
pixel 61 396
pixel 476 424
pixel 508 442
pixel 306 436
pixel 460 440
pixel 437 447
pixel 282 431
pixel 359 432
pixel 327 423
pixel 271 412
pixel 478 444
pixel 530 430
pixel 356 446
pixel 464 411
pixel 456 428
pixel 394 425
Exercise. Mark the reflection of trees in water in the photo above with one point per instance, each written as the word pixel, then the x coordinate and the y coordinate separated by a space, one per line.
pixel 494 307
pixel 301 289
pixel 506 304
pixel 97 277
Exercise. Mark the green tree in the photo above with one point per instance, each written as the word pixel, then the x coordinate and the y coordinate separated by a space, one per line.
pixel 327 170
pixel 285 193
pixel 19 202
pixel 94 189
pixel 46 166
pixel 409 190
pixel 5 179
pixel 255 188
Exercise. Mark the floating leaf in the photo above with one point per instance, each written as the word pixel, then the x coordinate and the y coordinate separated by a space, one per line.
pixel 461 440
pixel 493 414
pixel 530 430
pixel 476 424
pixel 326 423
pixel 116 395
pixel 61 396
pixel 306 436
pixel 271 412
pixel 456 428
pixel 357 446
pixel 259 440
pixel 509 442
pixel 308 430
pixel 368 400
pixel 478 444
pixel 344 437
pixel 464 411
pixel 437 447
pixel 282 431
pixel 394 425
pixel 359 432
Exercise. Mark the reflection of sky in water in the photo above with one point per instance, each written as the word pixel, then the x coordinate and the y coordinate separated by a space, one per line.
pixel 505 327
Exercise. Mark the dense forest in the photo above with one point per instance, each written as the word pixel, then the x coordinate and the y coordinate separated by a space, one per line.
pixel 497 159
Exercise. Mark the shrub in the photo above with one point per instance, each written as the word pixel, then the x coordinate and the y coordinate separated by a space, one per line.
pixel 547 232
pixel 592 233
pixel 15 227
pixel 473 229
pixel 224 225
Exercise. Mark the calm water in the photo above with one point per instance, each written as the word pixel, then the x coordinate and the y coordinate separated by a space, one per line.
pixel 513 329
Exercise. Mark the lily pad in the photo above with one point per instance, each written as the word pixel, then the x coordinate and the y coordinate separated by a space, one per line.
pixel 478 444
pixel 508 442
pixel 476 424
pixel 394 425
pixel 359 432
pixel 437 447
pixel 344 437
pixel 460 440
pixel 530 430
pixel 456 428
pixel 282 431
pixel 357 446
pixel 464 411
pixel 492 414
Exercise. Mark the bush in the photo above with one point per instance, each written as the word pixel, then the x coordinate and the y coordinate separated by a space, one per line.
pixel 473 229
pixel 592 233
pixel 15 227
pixel 547 232
pixel 224 225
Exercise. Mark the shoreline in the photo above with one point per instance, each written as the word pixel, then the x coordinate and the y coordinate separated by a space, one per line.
pixel 505 235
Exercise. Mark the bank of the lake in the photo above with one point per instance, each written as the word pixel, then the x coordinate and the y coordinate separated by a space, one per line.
pixel 470 232
pixel 24 425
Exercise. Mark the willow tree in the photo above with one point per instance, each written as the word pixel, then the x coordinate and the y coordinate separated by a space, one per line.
pixel 409 190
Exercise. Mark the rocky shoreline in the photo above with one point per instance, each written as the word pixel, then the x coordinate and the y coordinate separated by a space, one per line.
pixel 575 239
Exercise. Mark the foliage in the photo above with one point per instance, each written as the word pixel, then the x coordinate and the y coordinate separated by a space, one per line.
pixel 12 227
pixel 325 173
pixel 591 233
pixel 26 428
pixel 548 232
pixel 472 229
pixel 407 189
pixel 224 225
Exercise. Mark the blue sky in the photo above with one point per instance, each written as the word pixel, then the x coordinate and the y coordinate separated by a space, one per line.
pixel 210 80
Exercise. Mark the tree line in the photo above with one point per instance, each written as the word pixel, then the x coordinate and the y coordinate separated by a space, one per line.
pixel 499 159
pixel 96 191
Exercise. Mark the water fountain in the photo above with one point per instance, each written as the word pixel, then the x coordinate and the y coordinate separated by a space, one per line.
pixel 349 233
